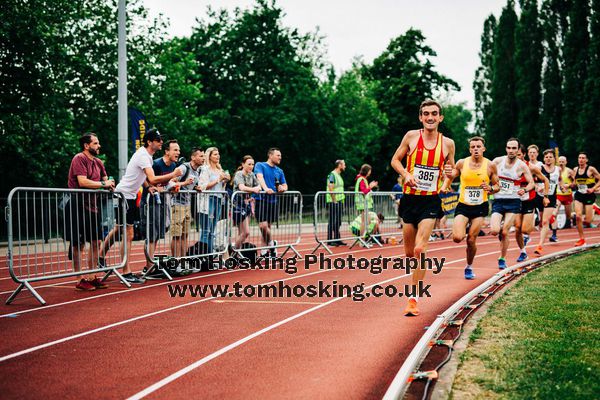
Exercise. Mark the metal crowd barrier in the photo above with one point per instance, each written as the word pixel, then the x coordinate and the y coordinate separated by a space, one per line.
pixel 187 225
pixel 255 216
pixel 48 230
pixel 391 226
pixel 332 220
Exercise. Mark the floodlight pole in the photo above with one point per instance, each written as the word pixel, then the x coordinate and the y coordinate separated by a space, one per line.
pixel 122 96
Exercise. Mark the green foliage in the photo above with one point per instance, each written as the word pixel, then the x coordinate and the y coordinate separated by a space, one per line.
pixel 551 116
pixel 361 126
pixel 241 81
pixel 529 55
pixel 592 86
pixel 457 118
pixel 483 77
pixel 406 76
pixel 575 51
pixel 503 111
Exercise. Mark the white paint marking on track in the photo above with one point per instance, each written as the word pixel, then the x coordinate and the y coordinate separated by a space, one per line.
pixel 158 312
pixel 131 290
pixel 165 381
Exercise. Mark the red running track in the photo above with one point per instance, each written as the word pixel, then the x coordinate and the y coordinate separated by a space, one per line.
pixel 122 343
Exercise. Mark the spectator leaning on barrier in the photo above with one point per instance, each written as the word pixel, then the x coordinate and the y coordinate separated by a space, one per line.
pixel 181 212
pixel 363 187
pixel 86 172
pixel 212 179
pixel 244 180
pixel 335 203
pixel 138 170
pixel 272 180
pixel 158 209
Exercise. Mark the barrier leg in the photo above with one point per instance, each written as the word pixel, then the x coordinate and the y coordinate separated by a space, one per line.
pixel 153 268
pixel 30 288
pixel 324 246
pixel 118 275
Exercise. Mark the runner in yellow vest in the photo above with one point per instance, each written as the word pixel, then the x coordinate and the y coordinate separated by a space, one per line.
pixel 478 177
pixel 335 203
pixel 564 195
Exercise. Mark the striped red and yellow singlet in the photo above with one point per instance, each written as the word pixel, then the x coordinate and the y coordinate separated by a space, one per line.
pixel 426 165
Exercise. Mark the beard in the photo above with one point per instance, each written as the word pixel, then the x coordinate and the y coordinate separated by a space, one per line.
pixel 94 152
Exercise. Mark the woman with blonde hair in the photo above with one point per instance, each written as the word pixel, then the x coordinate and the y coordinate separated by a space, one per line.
pixel 212 179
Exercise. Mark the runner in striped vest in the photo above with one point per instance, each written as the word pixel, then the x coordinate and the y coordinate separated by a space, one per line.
pixel 428 155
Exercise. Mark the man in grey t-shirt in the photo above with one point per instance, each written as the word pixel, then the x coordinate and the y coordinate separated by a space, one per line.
pixel 181 213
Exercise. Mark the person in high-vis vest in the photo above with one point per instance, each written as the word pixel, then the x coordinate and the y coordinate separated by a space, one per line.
pixel 478 178
pixel 372 227
pixel 363 188
pixel 586 180
pixel 335 203
pixel 429 155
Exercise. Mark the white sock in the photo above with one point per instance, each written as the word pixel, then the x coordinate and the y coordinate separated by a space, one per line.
pixel 271 243
pixel 468 266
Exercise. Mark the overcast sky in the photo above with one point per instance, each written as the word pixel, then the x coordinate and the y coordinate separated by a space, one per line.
pixel 364 28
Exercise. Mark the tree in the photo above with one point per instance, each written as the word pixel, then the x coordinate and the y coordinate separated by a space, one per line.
pixel 58 80
pixel 360 125
pixel 503 112
pixel 589 124
pixel 528 67
pixel 483 77
pixel 576 53
pixel 405 76
pixel 261 91
pixel 457 118
pixel 551 115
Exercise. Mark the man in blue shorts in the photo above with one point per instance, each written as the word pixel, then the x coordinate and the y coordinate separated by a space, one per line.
pixel 272 180
pixel 507 202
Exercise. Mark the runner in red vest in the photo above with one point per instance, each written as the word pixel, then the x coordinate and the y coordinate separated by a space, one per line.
pixel 427 153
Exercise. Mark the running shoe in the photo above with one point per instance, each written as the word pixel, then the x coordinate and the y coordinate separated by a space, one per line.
pixel 539 251
pixel 501 263
pixel 580 242
pixel 411 309
pixel 553 238
pixel 522 257
pixel 84 286
pixel 98 284
pixel 131 278
pixel 469 274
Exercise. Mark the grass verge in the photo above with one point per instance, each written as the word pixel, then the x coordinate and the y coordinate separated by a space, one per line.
pixel 541 339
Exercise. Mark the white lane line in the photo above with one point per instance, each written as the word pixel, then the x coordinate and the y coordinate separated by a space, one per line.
pixel 165 381
pixel 46 307
pixel 158 312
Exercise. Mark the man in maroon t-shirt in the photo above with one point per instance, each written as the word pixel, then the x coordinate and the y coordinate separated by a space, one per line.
pixel 86 172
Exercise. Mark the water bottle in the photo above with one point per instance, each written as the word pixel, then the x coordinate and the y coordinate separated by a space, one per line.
pixel 157 198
